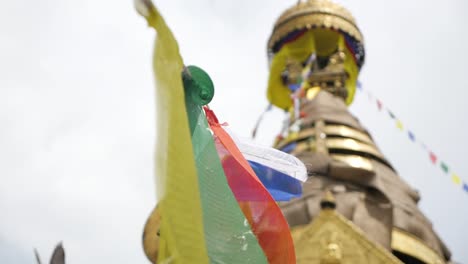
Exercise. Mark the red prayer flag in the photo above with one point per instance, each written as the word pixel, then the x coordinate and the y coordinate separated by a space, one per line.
pixel 379 104
pixel 433 157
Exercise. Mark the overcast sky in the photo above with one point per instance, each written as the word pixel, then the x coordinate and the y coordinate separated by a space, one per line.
pixel 77 110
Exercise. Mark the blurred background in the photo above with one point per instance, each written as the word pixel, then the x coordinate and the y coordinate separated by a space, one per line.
pixel 77 110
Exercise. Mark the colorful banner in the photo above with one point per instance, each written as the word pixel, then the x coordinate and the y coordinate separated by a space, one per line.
pixel 219 206
pixel 260 209
pixel 201 219
pixel 177 184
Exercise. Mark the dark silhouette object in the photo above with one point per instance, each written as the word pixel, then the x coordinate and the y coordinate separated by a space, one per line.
pixel 58 256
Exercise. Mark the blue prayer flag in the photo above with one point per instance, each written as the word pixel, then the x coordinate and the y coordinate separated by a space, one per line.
pixel 282 187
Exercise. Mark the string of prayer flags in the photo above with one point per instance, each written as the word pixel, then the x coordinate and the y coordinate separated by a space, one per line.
pixel 424 146
pixel 457 180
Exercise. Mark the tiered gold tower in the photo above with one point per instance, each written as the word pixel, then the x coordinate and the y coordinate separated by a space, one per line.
pixel 355 208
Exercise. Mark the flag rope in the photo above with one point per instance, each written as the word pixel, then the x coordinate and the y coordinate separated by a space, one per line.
pixel 433 158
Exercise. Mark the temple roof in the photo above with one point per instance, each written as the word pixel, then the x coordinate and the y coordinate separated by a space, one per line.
pixel 331 238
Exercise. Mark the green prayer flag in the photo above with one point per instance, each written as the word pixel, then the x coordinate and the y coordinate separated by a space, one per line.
pixel 444 167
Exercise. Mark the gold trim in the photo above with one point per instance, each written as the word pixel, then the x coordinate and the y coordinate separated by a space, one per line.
pixel 354 161
pixel 311 14
pixel 347 143
pixel 335 239
pixel 336 130
pixel 339 143
pixel 346 131
pixel 301 135
pixel 408 244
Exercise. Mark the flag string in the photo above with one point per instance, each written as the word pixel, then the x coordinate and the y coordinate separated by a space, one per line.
pixel 433 158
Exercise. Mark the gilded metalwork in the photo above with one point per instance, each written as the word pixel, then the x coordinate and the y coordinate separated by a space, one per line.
pixel 354 145
pixel 345 131
pixel 410 245
pixel 340 143
pixel 354 161
pixel 330 130
pixel 151 235
pixel 330 239
pixel 332 77
pixel 311 14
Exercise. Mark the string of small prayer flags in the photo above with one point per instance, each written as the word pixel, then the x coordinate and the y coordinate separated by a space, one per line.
pixel 433 158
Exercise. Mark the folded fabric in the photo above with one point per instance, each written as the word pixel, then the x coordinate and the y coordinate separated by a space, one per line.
pixel 282 187
pixel 270 157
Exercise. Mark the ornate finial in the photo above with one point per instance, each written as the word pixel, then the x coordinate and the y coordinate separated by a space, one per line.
pixel 198 84
pixel 321 28
pixel 328 201
pixel 314 14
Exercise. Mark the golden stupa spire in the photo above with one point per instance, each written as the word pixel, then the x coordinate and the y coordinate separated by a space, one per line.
pixel 315 14
pixel 355 208
pixel 328 28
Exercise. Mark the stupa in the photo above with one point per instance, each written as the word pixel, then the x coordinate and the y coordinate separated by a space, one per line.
pixel 355 207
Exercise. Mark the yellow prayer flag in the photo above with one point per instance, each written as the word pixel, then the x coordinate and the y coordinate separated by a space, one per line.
pixel 456 179
pixel 182 234
pixel 399 125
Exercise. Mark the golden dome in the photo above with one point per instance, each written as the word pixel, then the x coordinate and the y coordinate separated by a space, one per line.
pixel 314 14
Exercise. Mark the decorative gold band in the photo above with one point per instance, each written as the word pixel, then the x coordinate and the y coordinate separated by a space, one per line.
pixel 408 244
pixel 354 161
pixel 339 143
pixel 313 20
pixel 330 130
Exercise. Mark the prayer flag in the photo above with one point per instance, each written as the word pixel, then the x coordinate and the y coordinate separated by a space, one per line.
pixel 433 157
pixel 456 179
pixel 444 167
pixel 411 136
pixel 379 104
pixel 399 125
